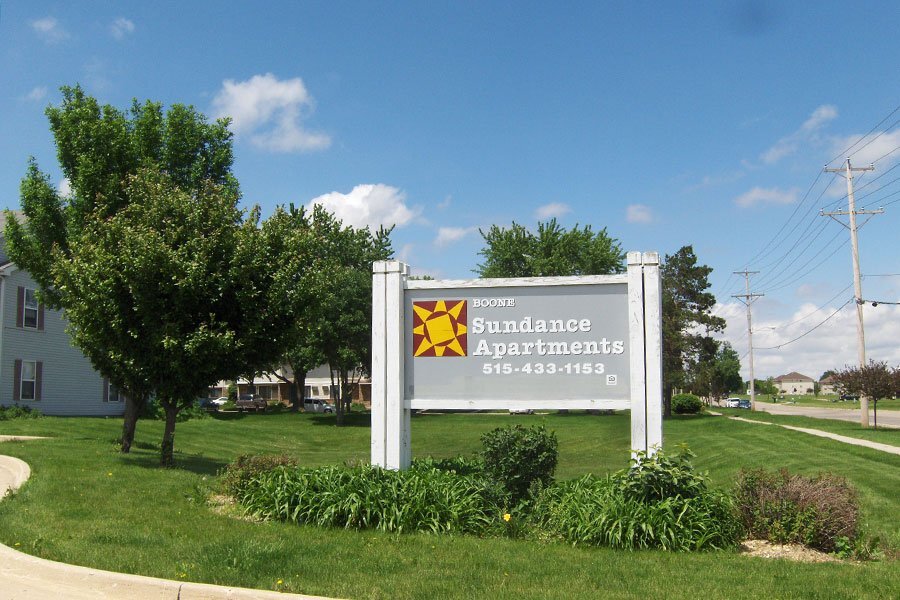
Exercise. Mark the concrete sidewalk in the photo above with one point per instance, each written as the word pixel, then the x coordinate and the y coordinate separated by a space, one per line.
pixel 825 434
pixel 26 576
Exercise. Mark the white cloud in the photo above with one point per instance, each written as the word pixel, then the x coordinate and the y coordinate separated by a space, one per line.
pixel 49 30
pixel 121 27
pixel 638 213
pixel 876 148
pixel 791 143
pixel 554 209
pixel 829 343
pixel 37 94
pixel 64 187
pixel 449 235
pixel 270 112
pixel 368 204
pixel 760 195
pixel 446 202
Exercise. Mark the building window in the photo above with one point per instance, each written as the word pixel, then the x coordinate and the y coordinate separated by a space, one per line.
pixel 29 380
pixel 326 390
pixel 30 309
pixel 115 394
pixel 307 391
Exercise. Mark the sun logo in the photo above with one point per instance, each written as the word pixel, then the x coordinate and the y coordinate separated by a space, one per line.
pixel 439 328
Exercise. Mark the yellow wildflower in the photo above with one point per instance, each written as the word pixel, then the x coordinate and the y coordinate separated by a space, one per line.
pixel 507 517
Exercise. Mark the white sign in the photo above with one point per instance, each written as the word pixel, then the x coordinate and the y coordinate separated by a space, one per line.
pixel 542 343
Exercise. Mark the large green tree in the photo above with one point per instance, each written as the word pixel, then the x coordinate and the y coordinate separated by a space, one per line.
pixel 551 251
pixel 326 273
pixel 716 370
pixel 687 319
pixel 163 292
pixel 98 148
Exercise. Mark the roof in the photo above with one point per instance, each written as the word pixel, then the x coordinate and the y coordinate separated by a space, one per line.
pixel 793 376
pixel 827 380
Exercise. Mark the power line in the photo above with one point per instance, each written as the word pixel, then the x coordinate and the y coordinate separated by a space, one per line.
pixel 828 318
pixel 808 315
pixel 843 154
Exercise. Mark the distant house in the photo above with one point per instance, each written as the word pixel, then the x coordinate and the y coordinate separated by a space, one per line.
pixel 827 385
pixel 39 366
pixel 794 383
pixel 318 385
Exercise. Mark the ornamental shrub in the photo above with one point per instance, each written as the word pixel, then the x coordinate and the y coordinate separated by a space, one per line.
pixel 364 497
pixel 7 413
pixel 657 503
pixel 686 404
pixel 820 512
pixel 238 474
pixel 518 458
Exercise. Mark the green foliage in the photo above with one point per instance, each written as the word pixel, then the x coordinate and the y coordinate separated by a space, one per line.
pixel 8 413
pixel 686 404
pixel 687 319
pixel 518 458
pixel 820 512
pixel 235 477
pixel 657 503
pixel 421 499
pixel 553 250
pixel 461 465
pixel 323 274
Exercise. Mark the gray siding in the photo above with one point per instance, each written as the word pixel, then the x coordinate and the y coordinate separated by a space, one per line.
pixel 70 386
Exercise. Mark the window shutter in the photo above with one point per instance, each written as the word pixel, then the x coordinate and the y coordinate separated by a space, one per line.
pixel 20 307
pixel 105 389
pixel 40 316
pixel 38 372
pixel 17 379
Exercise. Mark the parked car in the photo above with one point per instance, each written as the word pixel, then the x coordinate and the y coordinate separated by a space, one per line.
pixel 213 403
pixel 732 402
pixel 846 397
pixel 521 411
pixel 317 405
pixel 250 402
pixel 744 404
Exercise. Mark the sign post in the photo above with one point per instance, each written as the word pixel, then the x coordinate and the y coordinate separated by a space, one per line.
pixel 591 342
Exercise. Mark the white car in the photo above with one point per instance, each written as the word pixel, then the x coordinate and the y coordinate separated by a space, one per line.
pixel 732 402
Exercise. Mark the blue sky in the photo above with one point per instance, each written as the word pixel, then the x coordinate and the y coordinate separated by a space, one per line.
pixel 668 124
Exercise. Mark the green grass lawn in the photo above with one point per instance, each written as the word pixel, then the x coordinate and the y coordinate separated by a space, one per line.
pixel 830 401
pixel 850 429
pixel 87 504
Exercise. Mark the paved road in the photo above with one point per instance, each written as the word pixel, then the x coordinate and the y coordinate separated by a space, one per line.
pixel 886 418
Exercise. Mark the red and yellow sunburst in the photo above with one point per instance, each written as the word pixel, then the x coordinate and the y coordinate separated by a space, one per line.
pixel 439 328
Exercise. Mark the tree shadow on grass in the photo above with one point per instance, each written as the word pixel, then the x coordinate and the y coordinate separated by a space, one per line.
pixel 351 420
pixel 201 465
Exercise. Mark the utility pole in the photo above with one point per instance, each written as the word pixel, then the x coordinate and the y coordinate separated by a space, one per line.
pixel 748 299
pixel 847 173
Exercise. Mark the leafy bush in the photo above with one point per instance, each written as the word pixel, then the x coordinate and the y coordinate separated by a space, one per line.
pixel 237 474
pixel 657 503
pixel 660 476
pixel 363 497
pixel 518 458
pixel 820 512
pixel 686 404
pixel 8 413
pixel 461 465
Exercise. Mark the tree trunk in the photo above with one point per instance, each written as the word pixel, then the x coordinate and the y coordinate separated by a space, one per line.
pixel 167 458
pixel 336 398
pixel 132 412
pixel 667 401
pixel 298 389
